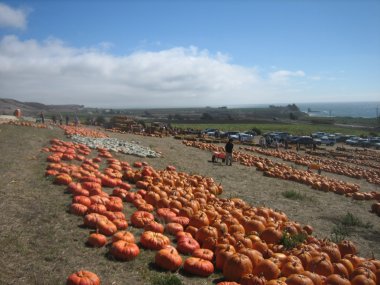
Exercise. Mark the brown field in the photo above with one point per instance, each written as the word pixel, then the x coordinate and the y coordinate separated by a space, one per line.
pixel 41 243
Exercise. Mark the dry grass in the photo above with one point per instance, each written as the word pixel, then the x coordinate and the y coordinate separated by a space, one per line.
pixel 42 243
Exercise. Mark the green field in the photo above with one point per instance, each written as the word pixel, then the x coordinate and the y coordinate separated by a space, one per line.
pixel 296 129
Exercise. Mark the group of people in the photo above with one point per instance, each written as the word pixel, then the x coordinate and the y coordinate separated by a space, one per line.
pixel 60 118
pixel 268 141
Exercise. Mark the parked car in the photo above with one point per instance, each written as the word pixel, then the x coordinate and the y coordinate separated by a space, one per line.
pixel 364 142
pixel 375 142
pixel 305 140
pixel 292 139
pixel 327 140
pixel 244 137
pixel 352 141
pixel 231 135
pixel 319 134
pixel 277 136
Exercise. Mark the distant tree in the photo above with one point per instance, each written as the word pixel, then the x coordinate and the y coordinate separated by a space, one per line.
pixel 142 122
pixel 292 116
pixel 256 130
pixel 293 107
pixel 100 120
pixel 147 114
pixel 206 116
pixel 178 117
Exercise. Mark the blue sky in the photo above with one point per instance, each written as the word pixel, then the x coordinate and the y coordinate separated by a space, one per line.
pixel 189 53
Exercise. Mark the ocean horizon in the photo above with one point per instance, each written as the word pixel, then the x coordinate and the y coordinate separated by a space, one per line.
pixel 330 109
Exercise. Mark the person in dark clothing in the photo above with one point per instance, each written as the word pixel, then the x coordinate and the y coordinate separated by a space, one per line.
pixel 42 118
pixel 67 120
pixel 228 148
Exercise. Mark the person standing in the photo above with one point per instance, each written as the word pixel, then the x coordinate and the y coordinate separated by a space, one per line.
pixel 228 148
pixel 60 119
pixel 76 120
pixel 42 117
pixel 67 120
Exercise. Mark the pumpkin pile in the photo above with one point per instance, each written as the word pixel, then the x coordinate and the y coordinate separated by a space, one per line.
pixel 82 131
pixel 284 171
pixel 328 165
pixel 189 227
pixel 142 133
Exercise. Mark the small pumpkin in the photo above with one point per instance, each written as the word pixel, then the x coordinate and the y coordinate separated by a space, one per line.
pixel 83 277
pixel 97 240
pixel 154 227
pixel 203 253
pixel 123 235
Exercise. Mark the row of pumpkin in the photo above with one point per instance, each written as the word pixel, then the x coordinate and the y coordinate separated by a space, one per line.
pixel 328 165
pixel 369 160
pixel 242 241
pixel 283 171
pixel 83 131
pixel 308 177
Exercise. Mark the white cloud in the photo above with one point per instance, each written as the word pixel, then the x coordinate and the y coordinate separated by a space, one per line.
pixel 282 76
pixel 13 18
pixel 53 72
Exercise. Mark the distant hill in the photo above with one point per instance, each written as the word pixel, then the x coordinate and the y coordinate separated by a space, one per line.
pixel 8 106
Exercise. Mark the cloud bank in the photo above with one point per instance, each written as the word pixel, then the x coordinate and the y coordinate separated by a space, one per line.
pixel 52 72
pixel 12 18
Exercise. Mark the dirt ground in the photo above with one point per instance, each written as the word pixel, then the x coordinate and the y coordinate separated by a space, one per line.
pixel 42 243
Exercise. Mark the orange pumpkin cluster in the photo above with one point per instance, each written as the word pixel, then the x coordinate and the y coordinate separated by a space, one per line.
pixel 82 131
pixel 229 235
pixel 145 134
pixel 284 171
pixel 328 165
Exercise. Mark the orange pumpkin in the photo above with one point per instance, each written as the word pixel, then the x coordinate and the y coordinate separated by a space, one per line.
pixel 83 277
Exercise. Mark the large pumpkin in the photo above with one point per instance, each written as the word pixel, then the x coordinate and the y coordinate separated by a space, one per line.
pixel 299 279
pixel 198 266
pixel 268 269
pixel 123 235
pixel 140 219
pixel 124 250
pixel 236 266
pixel 168 258
pixel 187 245
pixel 152 240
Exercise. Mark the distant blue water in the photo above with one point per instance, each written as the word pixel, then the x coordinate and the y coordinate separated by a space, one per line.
pixel 349 109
